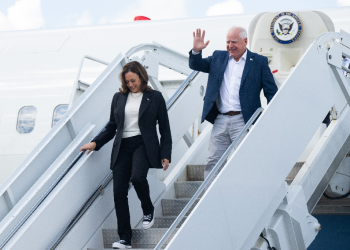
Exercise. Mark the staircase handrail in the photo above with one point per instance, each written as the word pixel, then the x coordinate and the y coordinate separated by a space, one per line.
pixel 77 80
pixel 181 89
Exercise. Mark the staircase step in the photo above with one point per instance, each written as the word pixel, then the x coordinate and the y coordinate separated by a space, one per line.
pixel 166 222
pixel 186 189
pixel 173 207
pixel 195 172
pixel 332 207
pixel 140 238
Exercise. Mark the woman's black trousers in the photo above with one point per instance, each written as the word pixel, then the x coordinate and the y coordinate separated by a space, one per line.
pixel 132 164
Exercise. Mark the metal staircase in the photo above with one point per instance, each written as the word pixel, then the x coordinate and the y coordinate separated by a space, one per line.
pixel 171 208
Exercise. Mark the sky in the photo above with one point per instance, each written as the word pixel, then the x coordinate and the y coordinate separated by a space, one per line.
pixel 50 14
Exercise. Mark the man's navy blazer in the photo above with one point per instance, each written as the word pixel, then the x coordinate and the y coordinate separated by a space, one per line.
pixel 152 110
pixel 256 76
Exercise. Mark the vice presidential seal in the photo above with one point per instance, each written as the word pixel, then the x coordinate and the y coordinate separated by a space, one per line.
pixel 286 28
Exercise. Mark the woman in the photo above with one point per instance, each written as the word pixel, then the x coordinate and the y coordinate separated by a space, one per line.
pixel 135 111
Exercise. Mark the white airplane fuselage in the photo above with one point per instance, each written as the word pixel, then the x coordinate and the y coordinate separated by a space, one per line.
pixel 38 68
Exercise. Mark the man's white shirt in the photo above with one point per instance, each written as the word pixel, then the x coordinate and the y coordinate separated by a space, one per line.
pixel 228 98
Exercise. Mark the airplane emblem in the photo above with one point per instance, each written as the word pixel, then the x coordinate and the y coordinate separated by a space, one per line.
pixel 286 28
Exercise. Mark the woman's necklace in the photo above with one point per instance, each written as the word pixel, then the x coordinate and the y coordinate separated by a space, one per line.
pixel 135 95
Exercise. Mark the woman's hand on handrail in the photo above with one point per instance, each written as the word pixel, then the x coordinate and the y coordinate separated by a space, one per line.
pixel 89 147
pixel 165 164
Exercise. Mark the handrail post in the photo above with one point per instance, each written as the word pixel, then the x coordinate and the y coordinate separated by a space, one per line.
pixel 181 89
pixel 81 66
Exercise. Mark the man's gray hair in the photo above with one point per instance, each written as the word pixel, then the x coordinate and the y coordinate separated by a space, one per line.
pixel 242 33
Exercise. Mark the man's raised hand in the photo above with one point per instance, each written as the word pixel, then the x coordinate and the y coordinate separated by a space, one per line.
pixel 198 41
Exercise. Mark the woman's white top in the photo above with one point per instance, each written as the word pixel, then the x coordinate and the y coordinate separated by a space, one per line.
pixel 131 121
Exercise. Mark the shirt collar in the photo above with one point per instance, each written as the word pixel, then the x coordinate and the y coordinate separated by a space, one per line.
pixel 243 57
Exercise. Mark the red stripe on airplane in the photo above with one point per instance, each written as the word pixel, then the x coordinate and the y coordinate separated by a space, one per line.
pixel 141 18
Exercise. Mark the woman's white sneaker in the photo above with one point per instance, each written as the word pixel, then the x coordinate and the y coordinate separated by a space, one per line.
pixel 148 220
pixel 121 245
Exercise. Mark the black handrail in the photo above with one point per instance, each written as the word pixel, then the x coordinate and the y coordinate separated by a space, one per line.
pixel 181 89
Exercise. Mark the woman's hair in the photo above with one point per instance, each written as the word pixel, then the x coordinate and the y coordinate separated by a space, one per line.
pixel 137 68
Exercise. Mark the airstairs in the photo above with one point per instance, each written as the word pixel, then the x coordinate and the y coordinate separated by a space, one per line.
pixel 59 198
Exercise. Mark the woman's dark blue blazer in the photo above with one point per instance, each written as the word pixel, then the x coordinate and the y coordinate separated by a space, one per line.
pixel 152 110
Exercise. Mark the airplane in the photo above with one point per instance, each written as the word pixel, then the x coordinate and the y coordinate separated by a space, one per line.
pixel 41 70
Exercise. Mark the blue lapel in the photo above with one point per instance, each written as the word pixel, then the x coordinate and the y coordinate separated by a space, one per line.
pixel 146 100
pixel 121 102
pixel 222 69
pixel 248 64
pixel 120 111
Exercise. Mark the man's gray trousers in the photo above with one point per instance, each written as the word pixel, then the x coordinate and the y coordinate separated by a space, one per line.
pixel 225 130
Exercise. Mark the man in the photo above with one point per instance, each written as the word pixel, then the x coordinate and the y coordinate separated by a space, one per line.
pixel 236 77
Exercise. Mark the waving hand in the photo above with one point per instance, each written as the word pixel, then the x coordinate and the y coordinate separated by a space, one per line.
pixel 198 41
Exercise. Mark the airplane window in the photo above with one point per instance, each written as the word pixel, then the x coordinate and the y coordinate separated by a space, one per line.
pixel 26 119
pixel 59 111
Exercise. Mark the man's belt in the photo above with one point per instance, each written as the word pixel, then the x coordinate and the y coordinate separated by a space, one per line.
pixel 231 113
